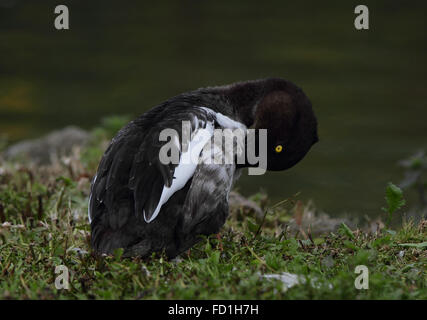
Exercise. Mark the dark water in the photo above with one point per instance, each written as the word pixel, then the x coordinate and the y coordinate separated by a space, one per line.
pixel 368 88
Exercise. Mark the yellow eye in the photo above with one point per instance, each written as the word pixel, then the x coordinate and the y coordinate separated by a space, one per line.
pixel 279 148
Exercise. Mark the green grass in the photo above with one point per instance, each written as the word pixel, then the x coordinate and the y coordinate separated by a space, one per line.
pixel 43 214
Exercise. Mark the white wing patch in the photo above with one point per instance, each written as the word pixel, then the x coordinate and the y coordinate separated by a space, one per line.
pixel 225 121
pixel 186 167
pixel 190 158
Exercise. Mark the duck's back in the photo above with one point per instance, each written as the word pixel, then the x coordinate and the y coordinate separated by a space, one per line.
pixel 130 180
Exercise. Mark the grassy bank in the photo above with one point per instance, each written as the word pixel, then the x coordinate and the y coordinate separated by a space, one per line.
pixel 43 214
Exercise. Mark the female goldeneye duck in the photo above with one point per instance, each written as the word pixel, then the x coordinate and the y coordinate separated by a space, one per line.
pixel 143 205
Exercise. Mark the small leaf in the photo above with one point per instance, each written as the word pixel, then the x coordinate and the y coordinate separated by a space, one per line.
pixel 208 247
pixel 214 257
pixel 414 245
pixel 118 253
pixel 252 226
pixel 346 230
pixel 381 242
pixel 394 198
pixel 350 245
pixel 67 181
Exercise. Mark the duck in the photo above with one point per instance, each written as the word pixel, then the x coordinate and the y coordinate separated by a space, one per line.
pixel 143 204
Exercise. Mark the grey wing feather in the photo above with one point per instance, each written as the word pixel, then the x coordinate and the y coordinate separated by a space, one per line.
pixel 207 197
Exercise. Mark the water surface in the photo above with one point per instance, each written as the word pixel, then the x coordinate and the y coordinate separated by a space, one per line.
pixel 368 88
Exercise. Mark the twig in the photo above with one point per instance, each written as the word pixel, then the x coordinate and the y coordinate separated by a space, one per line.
pixel 259 259
pixel 309 236
pixel 273 207
pixel 40 207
